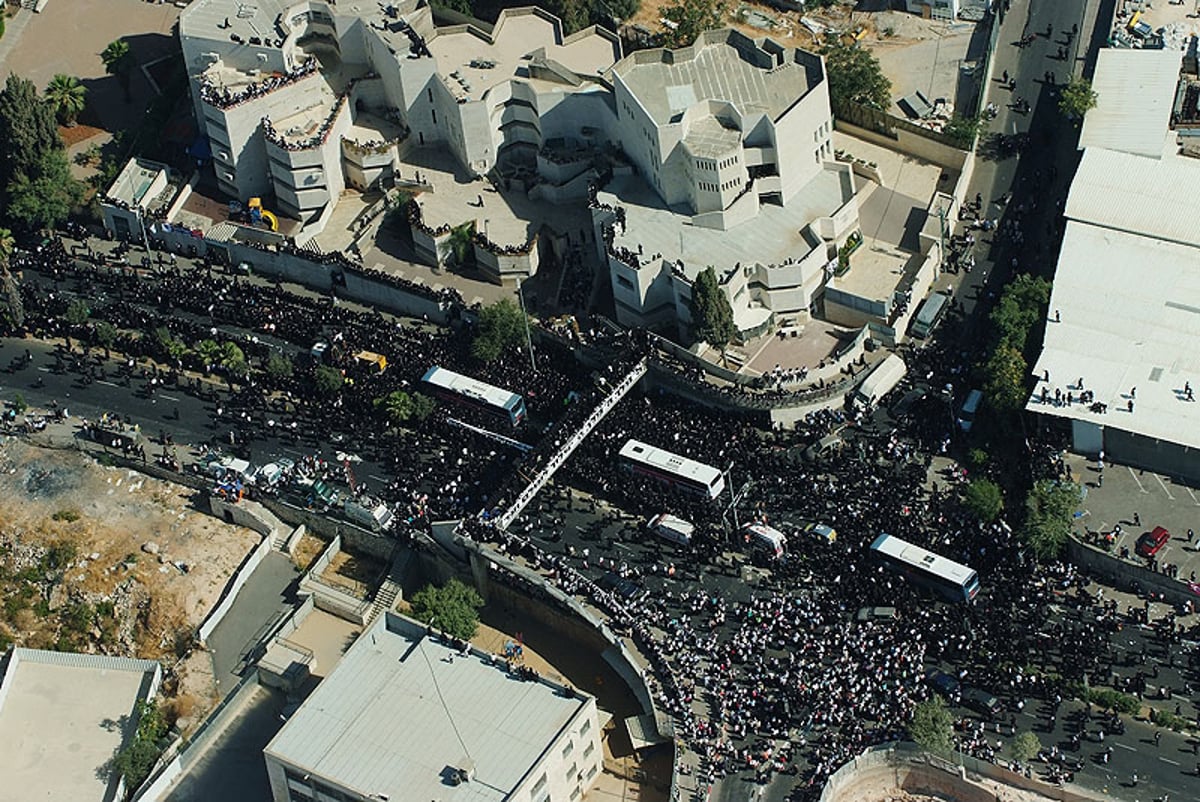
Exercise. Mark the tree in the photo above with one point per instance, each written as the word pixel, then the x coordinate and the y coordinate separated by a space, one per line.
pixel 67 97
pixel 712 317
pixel 233 361
pixel 691 18
pixel 27 130
pixel 118 61
pixel 983 499
pixel 45 197
pixel 855 76
pixel 1049 508
pixel 1077 99
pixel 963 130
pixel 501 327
pixel 1021 306
pixel 1005 372
pixel 1025 747
pixel 423 406
pixel 327 380
pixel 209 354
pixel 13 312
pixel 932 725
pixel 106 335
pixel 278 367
pixel 135 761
pixel 457 249
pixel 396 406
pixel 452 608
pixel 77 315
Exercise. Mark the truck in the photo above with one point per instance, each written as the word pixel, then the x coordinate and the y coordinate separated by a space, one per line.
pixel 879 382
pixel 373 515
pixel 672 528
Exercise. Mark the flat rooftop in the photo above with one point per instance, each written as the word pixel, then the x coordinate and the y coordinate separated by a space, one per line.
pixel 219 19
pixel 133 183
pixel 1152 197
pixel 471 61
pixel 62 718
pixel 1135 94
pixel 1129 312
pixel 770 238
pixel 401 707
pixel 722 65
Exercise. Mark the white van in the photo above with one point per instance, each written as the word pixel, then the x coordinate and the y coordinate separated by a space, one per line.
pixel 672 528
pixel 880 381
pixel 966 415
pixel 767 539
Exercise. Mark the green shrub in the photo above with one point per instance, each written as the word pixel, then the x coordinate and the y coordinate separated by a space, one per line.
pixel 67 516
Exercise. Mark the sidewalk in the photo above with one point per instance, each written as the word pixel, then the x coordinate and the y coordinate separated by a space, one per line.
pixel 14 26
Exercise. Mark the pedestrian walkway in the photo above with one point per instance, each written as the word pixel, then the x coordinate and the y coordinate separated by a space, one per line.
pixel 14 26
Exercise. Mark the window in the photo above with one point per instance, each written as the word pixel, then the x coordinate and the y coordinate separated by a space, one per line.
pixel 591 772
pixel 587 752
pixel 539 792
pixel 570 747
pixel 571 772
pixel 434 113
pixel 575 792
pixel 429 94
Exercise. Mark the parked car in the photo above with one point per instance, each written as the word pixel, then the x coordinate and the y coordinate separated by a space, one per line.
pixel 626 589
pixel 980 702
pixel 876 614
pixel 945 684
pixel 1151 543
pixel 823 531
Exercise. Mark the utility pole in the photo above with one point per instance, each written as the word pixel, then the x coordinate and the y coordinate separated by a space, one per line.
pixel 734 497
pixel 525 318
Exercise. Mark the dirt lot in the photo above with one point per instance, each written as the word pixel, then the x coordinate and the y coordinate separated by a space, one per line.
pixel 105 560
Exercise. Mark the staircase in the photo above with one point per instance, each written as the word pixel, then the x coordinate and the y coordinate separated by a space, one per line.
pixel 391 587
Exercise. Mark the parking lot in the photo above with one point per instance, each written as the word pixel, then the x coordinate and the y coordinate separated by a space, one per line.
pixel 1138 501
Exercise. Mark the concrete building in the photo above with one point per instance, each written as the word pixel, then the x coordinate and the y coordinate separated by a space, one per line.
pixel 62 718
pixel 301 100
pixel 1124 326
pixel 934 9
pixel 407 716
pixel 732 167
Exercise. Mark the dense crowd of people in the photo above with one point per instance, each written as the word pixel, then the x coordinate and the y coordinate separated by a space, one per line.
pixel 770 679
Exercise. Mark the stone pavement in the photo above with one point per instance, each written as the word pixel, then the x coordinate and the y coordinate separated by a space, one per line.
pixel 14 26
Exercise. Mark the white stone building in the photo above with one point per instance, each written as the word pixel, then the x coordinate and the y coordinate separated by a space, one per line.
pixel 732 168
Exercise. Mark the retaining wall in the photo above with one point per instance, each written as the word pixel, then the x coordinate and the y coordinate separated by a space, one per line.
pixel 232 588
pixel 1123 573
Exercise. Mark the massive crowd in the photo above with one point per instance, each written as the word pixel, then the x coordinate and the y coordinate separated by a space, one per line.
pixel 778 678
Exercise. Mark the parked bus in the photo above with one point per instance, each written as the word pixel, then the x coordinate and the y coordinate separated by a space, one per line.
pixel 929 314
pixel 461 389
pixel 946 578
pixel 966 414
pixel 682 473
pixel 765 539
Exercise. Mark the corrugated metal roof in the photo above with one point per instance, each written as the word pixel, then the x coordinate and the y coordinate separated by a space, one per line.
pixel 1130 318
pixel 1152 197
pixel 402 707
pixel 1135 92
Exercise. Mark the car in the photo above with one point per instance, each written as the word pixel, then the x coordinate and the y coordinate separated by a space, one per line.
pixel 270 474
pixel 903 407
pixel 1151 543
pixel 980 702
pixel 823 531
pixel 945 684
pixel 627 589
pixel 876 614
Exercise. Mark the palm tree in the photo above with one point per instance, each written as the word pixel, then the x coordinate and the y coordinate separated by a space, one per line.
pixel 209 353
pixel 14 308
pixel 234 362
pixel 118 61
pixel 67 96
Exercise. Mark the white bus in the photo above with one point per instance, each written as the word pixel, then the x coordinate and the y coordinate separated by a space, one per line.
pixel 767 539
pixel 462 389
pixel 682 473
pixel 950 580
pixel 672 528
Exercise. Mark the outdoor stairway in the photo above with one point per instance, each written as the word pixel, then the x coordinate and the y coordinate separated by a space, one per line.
pixel 548 470
pixel 391 587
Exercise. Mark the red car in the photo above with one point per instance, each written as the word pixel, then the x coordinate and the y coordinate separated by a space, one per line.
pixel 1150 543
